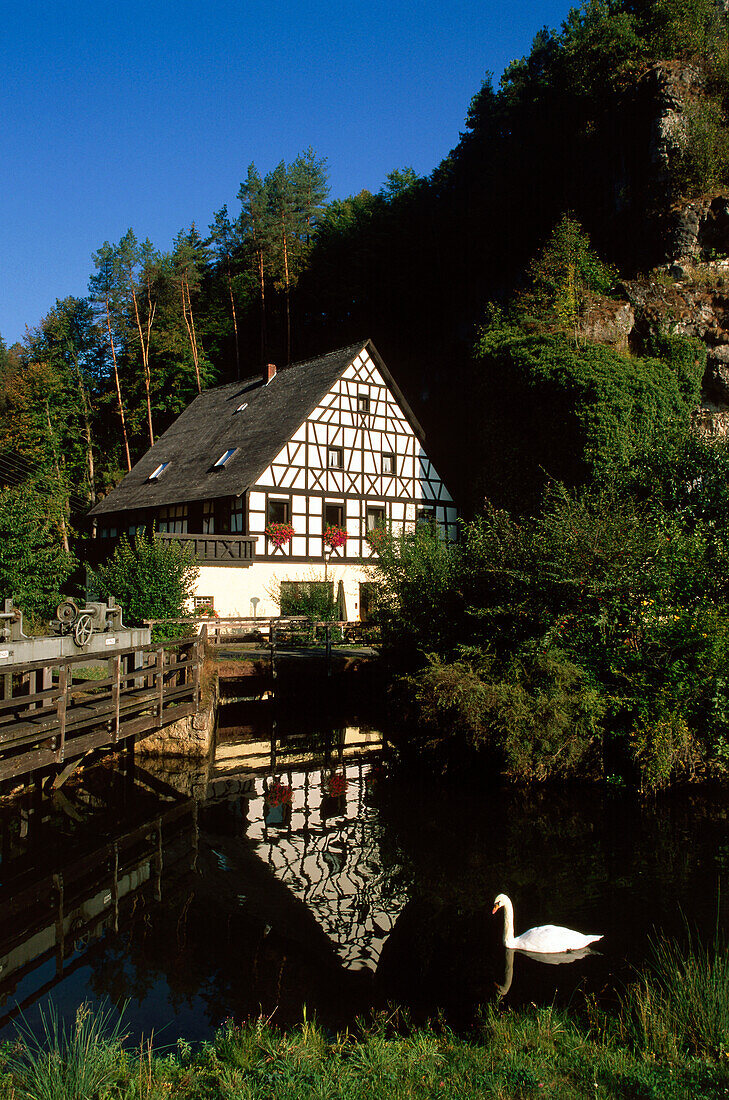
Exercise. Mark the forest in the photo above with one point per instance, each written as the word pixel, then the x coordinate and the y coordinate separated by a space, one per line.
pixel 441 272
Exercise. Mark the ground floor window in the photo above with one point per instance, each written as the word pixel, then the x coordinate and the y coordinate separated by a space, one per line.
pixel 203 603
pixel 314 599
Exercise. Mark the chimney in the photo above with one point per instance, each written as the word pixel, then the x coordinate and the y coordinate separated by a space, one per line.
pixel 270 371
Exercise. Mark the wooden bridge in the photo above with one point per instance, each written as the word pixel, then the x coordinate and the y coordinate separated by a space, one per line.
pixel 53 712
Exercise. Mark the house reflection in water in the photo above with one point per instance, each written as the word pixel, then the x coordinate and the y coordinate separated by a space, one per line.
pixel 311 824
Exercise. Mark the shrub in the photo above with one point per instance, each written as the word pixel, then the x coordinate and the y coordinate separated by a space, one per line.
pixel 663 749
pixel 545 718
pixel 151 578
pixel 33 564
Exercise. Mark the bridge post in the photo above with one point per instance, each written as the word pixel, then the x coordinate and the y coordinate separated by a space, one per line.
pixel 160 685
pixel 116 665
pixel 63 679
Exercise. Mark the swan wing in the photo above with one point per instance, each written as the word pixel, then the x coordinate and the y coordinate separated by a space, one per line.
pixel 551 939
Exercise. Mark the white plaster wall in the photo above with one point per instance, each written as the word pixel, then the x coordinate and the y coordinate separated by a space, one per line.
pixel 233 589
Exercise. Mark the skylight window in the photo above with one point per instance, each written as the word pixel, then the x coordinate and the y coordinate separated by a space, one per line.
pixel 226 457
pixel 158 472
pixel 242 407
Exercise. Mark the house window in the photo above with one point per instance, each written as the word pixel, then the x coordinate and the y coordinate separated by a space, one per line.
pixel 388 462
pixel 334 515
pixel 363 403
pixel 207 602
pixel 424 515
pixel 374 517
pixel 172 519
pixel 225 457
pixel 279 511
pixel 335 458
pixel 311 598
pixel 208 518
pixel 237 516
pixel 158 472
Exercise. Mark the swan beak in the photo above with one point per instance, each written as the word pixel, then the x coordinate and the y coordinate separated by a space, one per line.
pixel 495 909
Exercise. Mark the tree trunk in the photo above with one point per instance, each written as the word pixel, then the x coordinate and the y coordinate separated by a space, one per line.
pixel 145 348
pixel 118 386
pixel 287 291
pixel 62 517
pixel 190 326
pixel 87 430
pixel 235 324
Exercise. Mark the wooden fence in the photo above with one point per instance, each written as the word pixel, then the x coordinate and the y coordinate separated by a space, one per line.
pixel 52 712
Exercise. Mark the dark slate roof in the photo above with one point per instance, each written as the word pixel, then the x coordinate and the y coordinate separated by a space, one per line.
pixel 210 425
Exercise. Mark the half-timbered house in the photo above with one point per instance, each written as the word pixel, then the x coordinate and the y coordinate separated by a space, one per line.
pixel 329 443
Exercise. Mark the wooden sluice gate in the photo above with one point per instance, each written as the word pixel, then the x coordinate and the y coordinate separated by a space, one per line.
pixel 55 708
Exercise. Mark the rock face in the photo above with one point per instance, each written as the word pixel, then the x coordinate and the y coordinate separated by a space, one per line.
pixel 608 322
pixel 191 737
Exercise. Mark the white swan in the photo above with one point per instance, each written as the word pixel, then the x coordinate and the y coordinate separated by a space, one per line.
pixel 547 939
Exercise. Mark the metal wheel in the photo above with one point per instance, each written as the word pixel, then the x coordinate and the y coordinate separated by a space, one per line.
pixel 66 612
pixel 83 628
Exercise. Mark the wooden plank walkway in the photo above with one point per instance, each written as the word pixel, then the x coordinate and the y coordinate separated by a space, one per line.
pixel 48 716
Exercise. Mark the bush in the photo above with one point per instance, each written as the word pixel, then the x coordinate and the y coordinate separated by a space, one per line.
pixel 33 564
pixel 151 578
pixel 545 718
pixel 663 749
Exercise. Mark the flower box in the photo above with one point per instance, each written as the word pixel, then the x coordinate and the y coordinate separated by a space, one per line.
pixel 279 534
pixel 334 536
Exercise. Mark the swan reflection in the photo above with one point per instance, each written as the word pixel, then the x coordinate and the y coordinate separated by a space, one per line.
pixel 554 959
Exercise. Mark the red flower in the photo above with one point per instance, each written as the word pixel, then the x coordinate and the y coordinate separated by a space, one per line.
pixel 335 536
pixel 280 534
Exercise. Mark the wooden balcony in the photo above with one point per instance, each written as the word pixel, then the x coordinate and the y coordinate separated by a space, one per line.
pixel 218 549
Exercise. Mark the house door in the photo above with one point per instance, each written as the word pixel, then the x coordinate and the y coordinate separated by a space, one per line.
pixel 366 601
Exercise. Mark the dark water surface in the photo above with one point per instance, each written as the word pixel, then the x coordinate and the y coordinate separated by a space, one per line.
pixel 299 869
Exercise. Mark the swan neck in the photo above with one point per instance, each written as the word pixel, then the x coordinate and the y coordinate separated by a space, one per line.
pixel 508 924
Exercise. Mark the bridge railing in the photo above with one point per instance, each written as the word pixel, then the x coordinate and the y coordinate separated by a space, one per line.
pixel 55 711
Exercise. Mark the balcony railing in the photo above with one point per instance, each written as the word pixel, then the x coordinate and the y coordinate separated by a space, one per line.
pixel 218 549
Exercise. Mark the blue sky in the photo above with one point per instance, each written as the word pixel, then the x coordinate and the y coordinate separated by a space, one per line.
pixel 148 114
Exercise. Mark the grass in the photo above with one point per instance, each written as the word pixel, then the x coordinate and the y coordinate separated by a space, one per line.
pixel 666 1041
pixel 681 1004
pixel 67 1063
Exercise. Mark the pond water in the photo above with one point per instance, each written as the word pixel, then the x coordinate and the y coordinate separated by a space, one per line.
pixel 298 868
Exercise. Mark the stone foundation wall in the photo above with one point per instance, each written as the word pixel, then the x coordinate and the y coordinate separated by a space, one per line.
pixel 193 736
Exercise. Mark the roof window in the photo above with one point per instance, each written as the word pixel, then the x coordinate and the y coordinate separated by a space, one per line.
pixel 158 472
pixel 242 407
pixel 226 457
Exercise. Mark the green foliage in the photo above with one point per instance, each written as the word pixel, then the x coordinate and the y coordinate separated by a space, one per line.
pixel 68 1063
pixel 701 161
pixel 33 564
pixel 530 1051
pixel 663 750
pixel 546 718
pixel 418 605
pixel 572 413
pixel 312 599
pixel 151 578
pixel 680 1004
pixel 593 634
pixel 564 277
